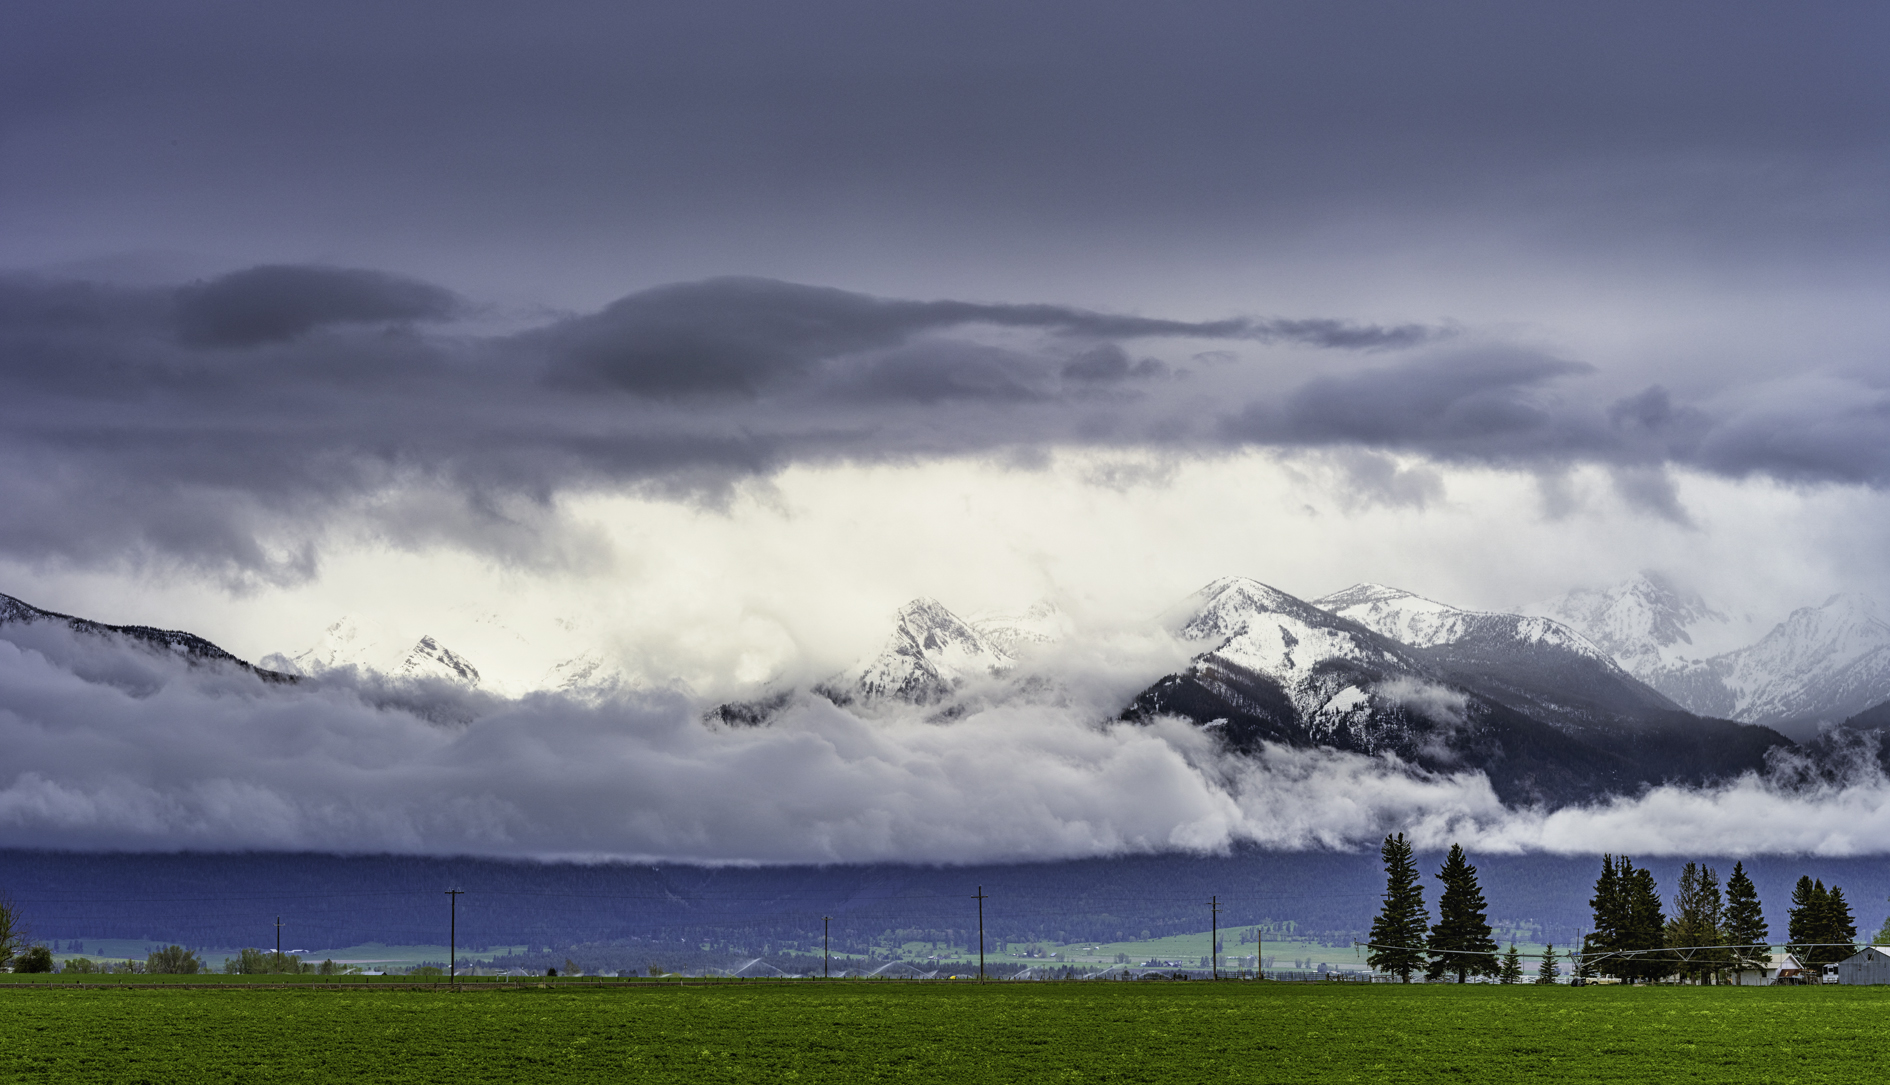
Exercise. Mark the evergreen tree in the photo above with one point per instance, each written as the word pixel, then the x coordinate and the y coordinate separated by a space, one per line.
pixel 1805 921
pixel 1696 922
pixel 1461 924
pixel 1510 971
pixel 1744 921
pixel 1839 927
pixel 1610 911
pixel 1402 920
pixel 1646 924
pixel 1549 971
pixel 1628 923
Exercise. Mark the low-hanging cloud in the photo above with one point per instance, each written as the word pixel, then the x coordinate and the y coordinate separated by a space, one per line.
pixel 230 425
pixel 110 747
pixel 740 335
pixel 276 303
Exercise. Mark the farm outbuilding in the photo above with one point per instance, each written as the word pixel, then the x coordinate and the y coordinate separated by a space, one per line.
pixel 1867 967
pixel 1780 968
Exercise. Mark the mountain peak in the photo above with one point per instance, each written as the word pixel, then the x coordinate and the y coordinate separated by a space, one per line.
pixel 1226 607
pixel 430 659
pixel 930 655
pixel 1644 621
pixel 1365 593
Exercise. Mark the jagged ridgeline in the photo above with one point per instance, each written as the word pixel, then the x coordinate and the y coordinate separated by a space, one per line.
pixel 1547 714
pixel 29 626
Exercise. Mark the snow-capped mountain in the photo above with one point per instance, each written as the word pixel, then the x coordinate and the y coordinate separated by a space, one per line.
pixel 1821 665
pixel 1645 623
pixel 931 655
pixel 1323 665
pixel 1425 623
pixel 351 642
pixel 347 643
pixel 430 659
pixel 1532 705
pixel 1536 665
pixel 1543 713
pixel 1015 632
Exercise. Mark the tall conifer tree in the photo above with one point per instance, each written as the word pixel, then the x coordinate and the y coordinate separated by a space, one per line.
pixel 1839 927
pixel 1628 923
pixel 1744 925
pixel 1402 920
pixel 1611 918
pixel 1462 924
pixel 1697 919
pixel 1805 920
pixel 1646 928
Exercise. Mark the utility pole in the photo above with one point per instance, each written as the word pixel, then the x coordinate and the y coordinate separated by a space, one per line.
pixel 980 899
pixel 824 920
pixel 1214 936
pixel 452 938
pixel 278 943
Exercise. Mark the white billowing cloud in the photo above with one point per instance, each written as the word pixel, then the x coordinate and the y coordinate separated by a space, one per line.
pixel 101 752
pixel 800 576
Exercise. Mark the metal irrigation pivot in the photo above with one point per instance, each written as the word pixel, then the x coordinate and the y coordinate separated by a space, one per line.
pixel 452 937
pixel 980 899
pixel 824 920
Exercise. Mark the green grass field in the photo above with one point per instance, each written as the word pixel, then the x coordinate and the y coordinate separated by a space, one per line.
pixel 844 1032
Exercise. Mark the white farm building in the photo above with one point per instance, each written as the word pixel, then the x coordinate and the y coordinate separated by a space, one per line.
pixel 1871 965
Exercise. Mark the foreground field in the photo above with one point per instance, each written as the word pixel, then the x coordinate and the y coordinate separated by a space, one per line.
pixel 1121 1032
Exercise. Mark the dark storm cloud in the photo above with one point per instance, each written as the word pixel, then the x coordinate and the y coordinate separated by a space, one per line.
pixel 1735 126
pixel 275 304
pixel 121 440
pixel 737 335
pixel 1485 403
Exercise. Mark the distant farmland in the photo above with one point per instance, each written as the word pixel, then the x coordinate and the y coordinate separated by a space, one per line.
pixel 863 1031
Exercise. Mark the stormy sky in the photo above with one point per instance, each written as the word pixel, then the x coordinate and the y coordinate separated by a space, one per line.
pixel 717 331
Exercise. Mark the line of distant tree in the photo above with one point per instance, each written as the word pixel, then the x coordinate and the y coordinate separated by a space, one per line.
pixel 1709 934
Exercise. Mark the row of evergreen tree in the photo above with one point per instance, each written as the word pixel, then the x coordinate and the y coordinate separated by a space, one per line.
pixel 1709 933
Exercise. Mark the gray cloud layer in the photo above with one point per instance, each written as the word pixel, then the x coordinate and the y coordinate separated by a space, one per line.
pixel 109 747
pixel 223 423
pixel 1735 127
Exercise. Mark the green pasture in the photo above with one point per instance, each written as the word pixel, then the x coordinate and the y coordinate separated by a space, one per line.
pixel 369 956
pixel 939 1032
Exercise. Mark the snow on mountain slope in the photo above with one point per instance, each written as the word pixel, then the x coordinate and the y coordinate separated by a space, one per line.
pixel 349 642
pixel 1015 632
pixel 1545 715
pixel 931 654
pixel 589 672
pixel 353 642
pixel 1535 665
pixel 430 659
pixel 1645 623
pixel 1288 661
pixel 1820 665
pixel 1426 623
